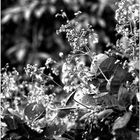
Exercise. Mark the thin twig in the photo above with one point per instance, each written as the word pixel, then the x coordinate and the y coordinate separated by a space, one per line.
pixel 53 80
pixel 101 72
pixel 89 53
pixel 82 104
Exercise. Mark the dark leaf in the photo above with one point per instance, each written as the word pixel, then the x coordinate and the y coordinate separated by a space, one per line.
pixel 107 66
pixel 64 112
pixel 69 100
pixel 10 121
pixel 125 134
pixel 88 99
pixel 60 138
pixel 125 96
pixel 15 136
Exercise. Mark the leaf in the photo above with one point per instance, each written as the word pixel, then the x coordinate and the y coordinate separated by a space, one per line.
pixel 125 42
pixel 60 138
pixel 6 18
pixel 13 10
pixel 12 50
pixel 64 112
pixel 134 67
pixel 34 110
pixel 107 67
pixel 134 135
pixel 121 122
pixel 88 99
pixel 125 96
pixel 120 76
pixel 15 136
pixel 138 96
pixel 110 100
pixel 104 113
pixel 126 134
pixel 15 123
pixel 54 129
pixel 10 122
pixel 100 95
pixel 97 60
pixel 134 64
pixel 13 112
pixel 40 11
pixel 69 100
pixel 102 6
pixel 20 54
pixel 86 116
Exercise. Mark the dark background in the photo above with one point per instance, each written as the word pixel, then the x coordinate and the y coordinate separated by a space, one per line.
pixel 29 28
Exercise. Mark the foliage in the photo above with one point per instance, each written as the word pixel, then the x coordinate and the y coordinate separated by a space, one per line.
pixel 97 95
pixel 28 28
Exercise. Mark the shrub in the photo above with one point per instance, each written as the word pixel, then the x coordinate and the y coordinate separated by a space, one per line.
pixel 97 95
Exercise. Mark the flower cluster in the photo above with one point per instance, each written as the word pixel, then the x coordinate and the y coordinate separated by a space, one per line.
pixel 78 34
pixel 127 16
pixel 97 92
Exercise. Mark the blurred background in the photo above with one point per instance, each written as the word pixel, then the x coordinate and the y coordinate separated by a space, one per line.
pixel 29 28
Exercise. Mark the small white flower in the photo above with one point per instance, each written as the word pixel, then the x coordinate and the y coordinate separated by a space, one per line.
pixel 61 54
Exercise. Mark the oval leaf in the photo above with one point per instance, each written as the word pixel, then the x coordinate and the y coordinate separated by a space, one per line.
pixel 121 122
pixel 104 113
pixel 33 111
pixel 98 59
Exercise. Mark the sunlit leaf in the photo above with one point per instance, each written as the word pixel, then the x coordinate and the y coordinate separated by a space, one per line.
pixel 33 111
pixel 27 14
pixel 69 100
pixel 20 54
pixel 98 59
pixel 39 12
pixel 121 122
pixel 85 116
pixel 6 18
pixel 13 112
pixel 54 129
pixel 138 96
pixel 125 42
pixel 100 95
pixel 104 113
pixel 134 65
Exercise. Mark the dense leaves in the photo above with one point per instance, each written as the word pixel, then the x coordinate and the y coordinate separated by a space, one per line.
pixel 89 86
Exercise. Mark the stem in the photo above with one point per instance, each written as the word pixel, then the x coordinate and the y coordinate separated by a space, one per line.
pixel 89 53
pixel 101 72
pixel 79 54
pixel 133 53
pixel 82 104
pixel 53 81
pixel 56 109
pixel 131 28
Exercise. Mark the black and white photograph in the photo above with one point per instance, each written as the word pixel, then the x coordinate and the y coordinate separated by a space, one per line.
pixel 69 70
